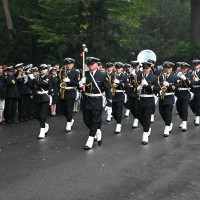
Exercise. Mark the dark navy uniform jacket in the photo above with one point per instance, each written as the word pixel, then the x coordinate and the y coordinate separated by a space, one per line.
pixel 12 88
pixel 73 75
pixel 43 84
pixel 132 89
pixel 188 83
pixel 3 87
pixel 122 86
pixel 196 85
pixel 90 103
pixel 173 85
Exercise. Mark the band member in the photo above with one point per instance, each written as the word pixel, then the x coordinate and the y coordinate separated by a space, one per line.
pixel 11 97
pixel 119 88
pixel 147 86
pixel 185 81
pixel 110 74
pixel 195 102
pixel 126 104
pixel 69 82
pixel 95 83
pixel 3 91
pixel 24 91
pixel 133 95
pixel 43 86
pixel 55 86
pixel 168 84
pixel 155 97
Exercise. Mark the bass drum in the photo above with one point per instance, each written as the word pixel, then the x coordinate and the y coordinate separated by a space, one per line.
pixel 145 55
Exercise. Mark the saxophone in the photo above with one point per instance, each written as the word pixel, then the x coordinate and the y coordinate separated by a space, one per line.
pixel 113 85
pixel 163 88
pixel 63 85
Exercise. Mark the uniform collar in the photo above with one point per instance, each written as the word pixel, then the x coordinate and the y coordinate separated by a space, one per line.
pixel 93 72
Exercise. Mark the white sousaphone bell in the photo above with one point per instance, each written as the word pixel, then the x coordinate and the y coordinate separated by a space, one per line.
pixel 145 55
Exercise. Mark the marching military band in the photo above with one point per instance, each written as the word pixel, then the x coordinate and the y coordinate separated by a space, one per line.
pixel 35 92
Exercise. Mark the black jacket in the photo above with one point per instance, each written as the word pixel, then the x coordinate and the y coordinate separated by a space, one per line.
pixel 43 83
pixel 173 85
pixel 132 89
pixel 3 87
pixel 188 83
pixel 23 88
pixel 123 85
pixel 196 85
pixel 12 88
pixel 90 103
pixel 73 75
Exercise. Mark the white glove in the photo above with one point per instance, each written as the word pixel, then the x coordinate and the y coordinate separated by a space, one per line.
pixel 179 74
pixel 183 77
pixel 116 81
pixel 32 76
pixel 82 82
pixel 139 88
pixel 196 79
pixel 66 80
pixel 144 82
pixel 133 72
pixel 166 84
pixel 25 79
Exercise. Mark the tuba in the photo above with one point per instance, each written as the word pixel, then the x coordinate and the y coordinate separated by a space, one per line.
pixel 144 56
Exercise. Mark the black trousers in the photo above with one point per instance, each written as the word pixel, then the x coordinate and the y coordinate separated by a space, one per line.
pixel 165 111
pixel 92 119
pixel 68 106
pixel 133 105
pixel 195 105
pixel 145 106
pixel 23 104
pixel 126 105
pixel 182 108
pixel 10 109
pixel 117 109
pixel 42 112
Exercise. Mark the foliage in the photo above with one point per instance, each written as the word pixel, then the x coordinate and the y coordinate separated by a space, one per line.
pixel 49 30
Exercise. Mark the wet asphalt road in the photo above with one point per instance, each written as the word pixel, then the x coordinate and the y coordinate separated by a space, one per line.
pixel 122 168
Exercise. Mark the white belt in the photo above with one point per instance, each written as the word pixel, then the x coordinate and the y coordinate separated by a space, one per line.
pixel 147 95
pixel 70 88
pixel 93 95
pixel 120 91
pixel 42 92
pixel 196 86
pixel 169 93
pixel 183 89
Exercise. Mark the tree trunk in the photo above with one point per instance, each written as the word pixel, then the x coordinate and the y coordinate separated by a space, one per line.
pixel 195 21
pixel 8 17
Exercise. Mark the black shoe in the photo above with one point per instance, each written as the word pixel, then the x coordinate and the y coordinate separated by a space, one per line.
pixel 196 124
pixel 95 139
pixel 25 119
pixel 21 120
pixel 13 121
pixel 165 135
pixel 87 148
pixel 99 142
pixel 117 132
pixel 8 122
pixel 144 143
pixel 183 130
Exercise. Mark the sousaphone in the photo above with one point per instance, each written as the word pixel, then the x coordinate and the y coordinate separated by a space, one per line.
pixel 145 55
